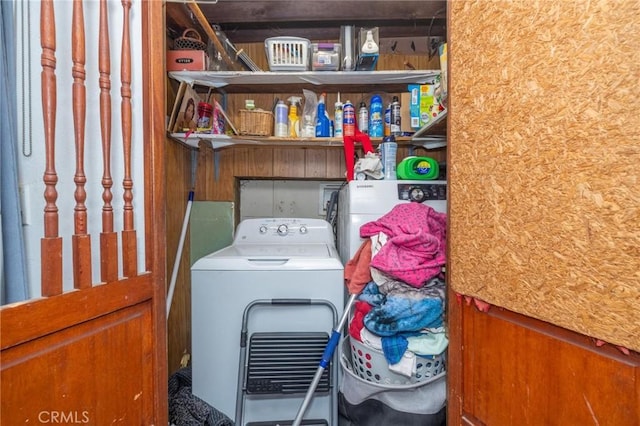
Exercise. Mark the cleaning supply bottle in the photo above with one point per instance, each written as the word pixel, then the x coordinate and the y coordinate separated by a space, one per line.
pixel 388 151
pixel 394 119
pixel 363 118
pixel 348 119
pixel 326 114
pixel 387 121
pixel 337 118
pixel 376 127
pixel 418 168
pixel 322 122
pixel 294 118
pixel 281 125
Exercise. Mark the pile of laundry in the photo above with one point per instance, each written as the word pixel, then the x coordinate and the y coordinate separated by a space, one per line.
pixel 398 272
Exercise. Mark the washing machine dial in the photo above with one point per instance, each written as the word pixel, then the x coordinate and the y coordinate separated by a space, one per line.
pixel 263 229
pixel 283 229
pixel 417 194
pixel 303 229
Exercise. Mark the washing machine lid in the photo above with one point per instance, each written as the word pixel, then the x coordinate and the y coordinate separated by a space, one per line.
pixel 251 256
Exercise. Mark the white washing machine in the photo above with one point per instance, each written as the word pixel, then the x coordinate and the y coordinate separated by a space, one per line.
pixel 269 259
pixel 362 201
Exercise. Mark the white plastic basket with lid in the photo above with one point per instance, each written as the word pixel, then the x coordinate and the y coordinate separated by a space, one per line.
pixel 288 53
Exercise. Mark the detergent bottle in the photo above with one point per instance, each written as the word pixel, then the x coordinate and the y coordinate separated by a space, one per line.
pixel 294 118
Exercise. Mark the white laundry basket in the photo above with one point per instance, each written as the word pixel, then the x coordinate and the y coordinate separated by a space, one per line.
pixel 423 401
pixel 371 365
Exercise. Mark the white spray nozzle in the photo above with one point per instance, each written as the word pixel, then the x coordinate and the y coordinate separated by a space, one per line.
pixel 369 45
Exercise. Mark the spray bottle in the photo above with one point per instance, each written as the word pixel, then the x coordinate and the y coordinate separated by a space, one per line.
pixel 294 118
pixel 322 121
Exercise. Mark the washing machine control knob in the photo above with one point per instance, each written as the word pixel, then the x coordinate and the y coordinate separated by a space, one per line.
pixel 283 229
pixel 417 194
pixel 303 229
pixel 263 229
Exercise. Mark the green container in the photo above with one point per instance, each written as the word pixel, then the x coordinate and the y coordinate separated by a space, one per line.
pixel 418 168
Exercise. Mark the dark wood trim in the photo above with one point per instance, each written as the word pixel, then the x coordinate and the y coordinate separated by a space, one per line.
pixel 39 317
pixel 562 334
pixel 455 363
pixel 154 87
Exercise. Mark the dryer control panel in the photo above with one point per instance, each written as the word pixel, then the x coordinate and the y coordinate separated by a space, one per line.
pixel 421 192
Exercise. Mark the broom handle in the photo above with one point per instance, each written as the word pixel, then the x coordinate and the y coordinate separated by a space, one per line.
pixel 326 359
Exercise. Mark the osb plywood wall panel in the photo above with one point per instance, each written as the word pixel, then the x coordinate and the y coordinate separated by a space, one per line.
pixel 544 161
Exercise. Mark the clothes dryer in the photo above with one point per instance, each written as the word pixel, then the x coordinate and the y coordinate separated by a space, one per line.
pixel 277 259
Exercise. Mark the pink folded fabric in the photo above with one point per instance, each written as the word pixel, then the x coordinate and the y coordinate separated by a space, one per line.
pixel 416 247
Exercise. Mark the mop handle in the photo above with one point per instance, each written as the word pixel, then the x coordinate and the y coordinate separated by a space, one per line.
pixel 324 362
pixel 335 335
pixel 176 263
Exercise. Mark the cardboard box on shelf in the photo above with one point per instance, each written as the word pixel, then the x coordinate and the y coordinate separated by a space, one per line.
pixel 430 102
pixel 187 60
pixel 405 113
pixel 424 102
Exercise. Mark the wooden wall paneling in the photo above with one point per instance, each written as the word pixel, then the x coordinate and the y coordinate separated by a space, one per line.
pixel 204 173
pixel 90 397
pixel 222 180
pixel 402 62
pixel 177 190
pixel 252 162
pixel 518 370
pixel 336 167
pixel 288 163
pixel 315 163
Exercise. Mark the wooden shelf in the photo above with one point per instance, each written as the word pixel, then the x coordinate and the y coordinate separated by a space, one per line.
pixel 262 81
pixel 223 141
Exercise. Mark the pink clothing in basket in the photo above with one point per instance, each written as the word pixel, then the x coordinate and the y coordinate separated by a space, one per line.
pixel 416 247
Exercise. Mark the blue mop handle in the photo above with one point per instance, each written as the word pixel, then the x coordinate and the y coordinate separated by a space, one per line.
pixel 335 335
pixel 326 359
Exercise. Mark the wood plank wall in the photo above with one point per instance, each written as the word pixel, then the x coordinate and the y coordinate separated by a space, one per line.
pixel 218 173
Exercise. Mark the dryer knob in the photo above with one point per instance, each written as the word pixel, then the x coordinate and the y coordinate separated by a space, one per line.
pixel 263 229
pixel 417 194
pixel 303 229
pixel 283 230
